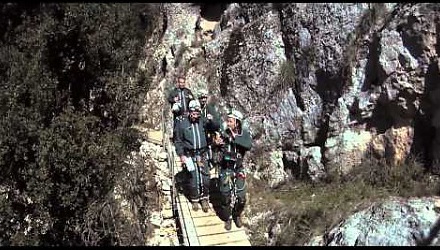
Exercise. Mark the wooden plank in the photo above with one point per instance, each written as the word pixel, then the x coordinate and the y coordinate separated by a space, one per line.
pixel 188 230
pixel 214 229
pixel 201 219
pixel 200 213
pixel 155 134
pixel 185 215
pixel 182 224
pixel 212 219
pixel 218 223
pixel 223 238
pixel 188 222
pixel 212 226
pixel 235 243
pixel 205 215
pixel 185 209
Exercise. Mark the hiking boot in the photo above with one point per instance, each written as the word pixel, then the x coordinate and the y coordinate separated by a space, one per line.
pixel 195 206
pixel 228 224
pixel 238 222
pixel 205 206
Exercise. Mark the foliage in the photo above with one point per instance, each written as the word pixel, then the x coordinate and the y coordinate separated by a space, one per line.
pixel 70 88
pixel 305 209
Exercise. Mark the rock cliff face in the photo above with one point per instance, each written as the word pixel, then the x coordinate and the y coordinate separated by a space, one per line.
pixel 365 78
pixel 396 222
pixel 327 85
pixel 324 86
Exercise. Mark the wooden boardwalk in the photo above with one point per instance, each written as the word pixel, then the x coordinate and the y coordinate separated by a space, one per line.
pixel 197 227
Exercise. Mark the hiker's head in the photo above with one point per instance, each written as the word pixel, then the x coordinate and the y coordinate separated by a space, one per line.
pixel 235 118
pixel 181 81
pixel 203 97
pixel 194 110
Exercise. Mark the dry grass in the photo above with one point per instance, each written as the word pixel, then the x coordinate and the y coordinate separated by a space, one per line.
pixel 304 209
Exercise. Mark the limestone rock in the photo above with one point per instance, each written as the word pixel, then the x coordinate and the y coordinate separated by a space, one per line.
pixel 395 222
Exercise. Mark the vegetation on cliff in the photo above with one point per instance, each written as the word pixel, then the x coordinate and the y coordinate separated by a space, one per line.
pixel 70 90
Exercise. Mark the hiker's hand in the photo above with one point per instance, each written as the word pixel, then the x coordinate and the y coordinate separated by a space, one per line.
pixel 232 133
pixel 182 159
pixel 209 116
pixel 219 141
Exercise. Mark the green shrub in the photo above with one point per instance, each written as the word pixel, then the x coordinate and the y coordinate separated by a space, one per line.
pixel 67 103
pixel 306 209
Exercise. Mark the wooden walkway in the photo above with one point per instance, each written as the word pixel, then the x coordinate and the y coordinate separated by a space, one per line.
pixel 197 227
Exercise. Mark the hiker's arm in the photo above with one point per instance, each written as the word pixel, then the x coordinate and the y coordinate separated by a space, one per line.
pixel 171 96
pixel 178 142
pixel 244 140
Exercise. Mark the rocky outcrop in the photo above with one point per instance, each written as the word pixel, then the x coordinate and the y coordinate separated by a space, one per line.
pixel 392 86
pixel 395 222
pixel 255 42
pixel 305 85
pixel 324 86
pixel 355 94
pixel 167 55
pixel 247 54
pixel 164 231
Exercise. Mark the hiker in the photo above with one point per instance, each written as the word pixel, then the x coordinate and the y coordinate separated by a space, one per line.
pixel 235 141
pixel 179 98
pixel 191 147
pixel 211 111
pixel 208 108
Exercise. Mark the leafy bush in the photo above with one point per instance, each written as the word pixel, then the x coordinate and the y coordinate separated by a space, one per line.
pixel 70 90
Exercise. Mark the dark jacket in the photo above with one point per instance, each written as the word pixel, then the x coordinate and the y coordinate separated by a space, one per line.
pixel 234 148
pixel 210 108
pixel 191 136
pixel 185 96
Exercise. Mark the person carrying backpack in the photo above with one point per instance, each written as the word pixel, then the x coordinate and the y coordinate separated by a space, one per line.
pixel 235 141
pixel 192 148
pixel 209 110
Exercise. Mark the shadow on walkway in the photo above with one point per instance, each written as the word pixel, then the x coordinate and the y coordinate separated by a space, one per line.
pixel 182 186
pixel 215 198
pixel 182 182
